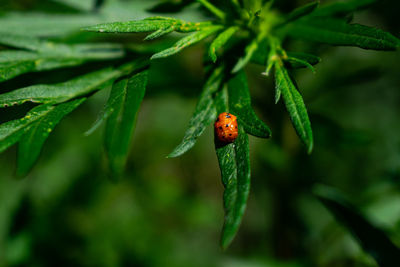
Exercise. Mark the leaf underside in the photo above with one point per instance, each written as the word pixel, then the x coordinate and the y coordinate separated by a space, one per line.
pixel 240 103
pixel 121 109
pixel 12 131
pixel 338 32
pixel 33 139
pixel 234 163
pixel 295 105
pixel 45 55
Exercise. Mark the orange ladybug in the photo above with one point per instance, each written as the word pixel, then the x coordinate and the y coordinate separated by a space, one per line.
pixel 226 127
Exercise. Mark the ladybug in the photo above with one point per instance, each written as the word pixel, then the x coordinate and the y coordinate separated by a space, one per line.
pixel 226 127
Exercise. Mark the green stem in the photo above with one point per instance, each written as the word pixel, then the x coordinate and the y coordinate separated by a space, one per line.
pixel 213 9
pixel 275 53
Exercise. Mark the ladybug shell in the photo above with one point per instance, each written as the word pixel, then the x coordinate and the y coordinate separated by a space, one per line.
pixel 226 127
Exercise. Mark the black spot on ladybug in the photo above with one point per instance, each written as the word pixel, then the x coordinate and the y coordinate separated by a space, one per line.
pixel 227 125
pixel 236 127
pixel 220 127
pixel 230 134
pixel 228 116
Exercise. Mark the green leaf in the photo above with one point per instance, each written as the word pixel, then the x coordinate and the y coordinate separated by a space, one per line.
pixel 61 92
pixel 14 63
pixel 248 53
pixel 65 91
pixel 24 42
pixel 302 11
pixel 338 32
pixel 108 108
pixel 234 214
pixel 12 131
pixel 303 57
pixel 234 162
pixel 32 140
pixel 204 114
pixel 187 41
pixel 52 49
pixel 20 62
pixel 294 104
pixel 148 25
pixel 342 8
pixel 371 238
pixel 123 105
pixel 159 33
pixel 299 63
pixel 240 105
pixel 221 40
pixel 48 55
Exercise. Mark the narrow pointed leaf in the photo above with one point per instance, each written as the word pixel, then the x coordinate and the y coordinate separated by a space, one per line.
pixel 32 141
pixel 295 105
pixel 131 26
pixel 159 33
pixel 234 218
pixel 61 92
pixel 371 238
pixel 24 42
pixel 14 63
pixel 302 11
pixel 12 131
pixel 338 32
pixel 124 102
pixel 51 49
pixel 299 63
pixel 109 107
pixel 221 40
pixel 149 25
pixel 342 8
pixel 240 103
pixel 9 70
pixel 204 114
pixel 234 162
pixel 308 58
pixel 187 41
pixel 57 93
pixel 48 55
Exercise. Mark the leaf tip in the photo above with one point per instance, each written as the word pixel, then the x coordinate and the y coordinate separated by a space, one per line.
pixel 310 148
pixel 213 57
pixel 174 154
pixel 94 28
pixel 225 242
pixel 156 56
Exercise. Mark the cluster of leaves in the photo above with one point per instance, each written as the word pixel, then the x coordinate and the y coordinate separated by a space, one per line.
pixel 240 32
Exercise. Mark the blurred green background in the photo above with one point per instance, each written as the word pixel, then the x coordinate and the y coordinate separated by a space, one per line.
pixel 168 212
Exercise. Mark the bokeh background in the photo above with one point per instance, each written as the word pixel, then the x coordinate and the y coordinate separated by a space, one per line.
pixel 168 212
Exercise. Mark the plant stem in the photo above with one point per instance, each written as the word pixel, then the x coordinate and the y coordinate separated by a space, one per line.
pixel 213 9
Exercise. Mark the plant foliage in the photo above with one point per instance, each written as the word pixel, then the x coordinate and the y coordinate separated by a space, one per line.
pixel 236 33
